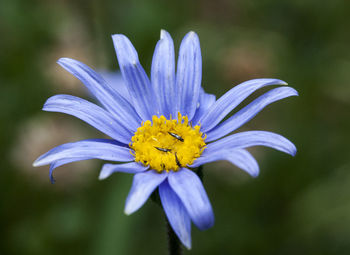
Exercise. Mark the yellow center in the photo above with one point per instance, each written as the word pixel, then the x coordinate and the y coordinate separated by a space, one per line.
pixel 167 144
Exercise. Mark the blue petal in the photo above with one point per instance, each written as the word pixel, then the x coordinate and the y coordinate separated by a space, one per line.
pixel 205 102
pixel 116 81
pixel 131 168
pixel 189 74
pixel 135 77
pixel 190 190
pixel 106 171
pixel 142 187
pixel 253 138
pixel 90 113
pixel 163 75
pixel 176 214
pixel 239 157
pixel 231 99
pixel 86 149
pixel 108 96
pixel 249 111
pixel 64 161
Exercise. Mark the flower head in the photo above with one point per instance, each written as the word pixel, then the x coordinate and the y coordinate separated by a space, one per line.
pixel 161 128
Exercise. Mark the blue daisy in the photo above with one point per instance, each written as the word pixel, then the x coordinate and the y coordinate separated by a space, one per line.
pixel 163 126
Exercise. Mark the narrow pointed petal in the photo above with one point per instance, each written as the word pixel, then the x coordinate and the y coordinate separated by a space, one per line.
pixel 205 102
pixel 131 168
pixel 176 214
pixel 191 192
pixel 91 114
pixel 163 74
pixel 189 74
pixel 107 95
pixel 239 157
pixel 106 171
pixel 86 149
pixel 116 81
pixel 249 111
pixel 142 187
pixel 231 99
pixel 253 138
pixel 135 77
pixel 64 161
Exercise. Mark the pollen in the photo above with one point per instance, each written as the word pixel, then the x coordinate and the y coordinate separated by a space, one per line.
pixel 167 144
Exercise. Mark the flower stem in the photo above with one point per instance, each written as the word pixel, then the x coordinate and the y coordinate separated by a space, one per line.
pixel 199 172
pixel 174 244
pixel 173 241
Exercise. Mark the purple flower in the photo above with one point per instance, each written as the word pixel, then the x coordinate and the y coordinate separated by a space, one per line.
pixel 162 127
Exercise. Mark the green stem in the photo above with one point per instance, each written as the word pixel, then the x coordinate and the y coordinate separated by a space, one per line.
pixel 174 243
pixel 199 172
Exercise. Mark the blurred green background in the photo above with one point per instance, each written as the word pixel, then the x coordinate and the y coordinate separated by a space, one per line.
pixel 297 205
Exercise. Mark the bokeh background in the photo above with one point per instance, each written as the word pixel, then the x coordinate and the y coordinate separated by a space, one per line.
pixel 297 205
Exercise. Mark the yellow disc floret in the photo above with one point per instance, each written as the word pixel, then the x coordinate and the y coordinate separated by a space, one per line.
pixel 167 144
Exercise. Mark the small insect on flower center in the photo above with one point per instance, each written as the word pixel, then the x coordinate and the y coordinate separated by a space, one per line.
pixel 167 144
